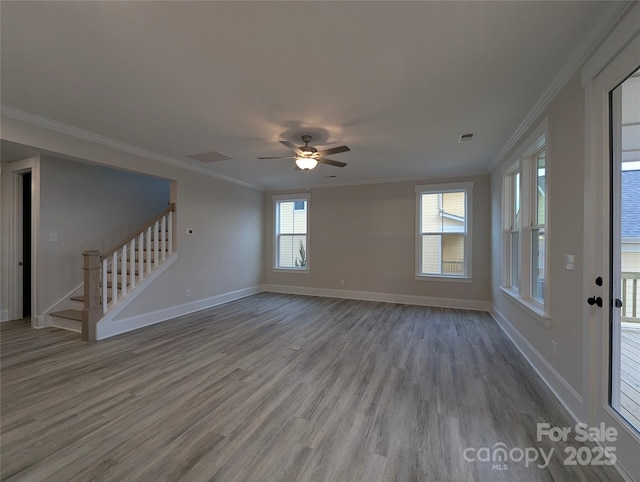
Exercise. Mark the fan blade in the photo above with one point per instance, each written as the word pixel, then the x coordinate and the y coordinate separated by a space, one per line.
pixel 331 162
pixel 291 146
pixel 285 157
pixel 333 150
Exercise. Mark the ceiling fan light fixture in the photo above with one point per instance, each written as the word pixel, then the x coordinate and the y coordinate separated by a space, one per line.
pixel 306 163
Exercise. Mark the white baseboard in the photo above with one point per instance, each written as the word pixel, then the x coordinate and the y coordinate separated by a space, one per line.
pixel 563 391
pixel 112 328
pixel 4 315
pixel 476 305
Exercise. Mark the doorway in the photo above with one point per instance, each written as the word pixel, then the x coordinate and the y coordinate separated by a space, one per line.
pixel 26 243
pixel 624 310
pixel 610 390
pixel 20 228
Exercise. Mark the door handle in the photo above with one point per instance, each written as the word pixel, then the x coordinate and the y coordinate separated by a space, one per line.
pixel 618 303
pixel 595 301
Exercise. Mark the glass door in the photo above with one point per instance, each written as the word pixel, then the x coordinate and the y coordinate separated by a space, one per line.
pixel 624 310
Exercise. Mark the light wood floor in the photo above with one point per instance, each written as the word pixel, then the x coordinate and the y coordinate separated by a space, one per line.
pixel 376 392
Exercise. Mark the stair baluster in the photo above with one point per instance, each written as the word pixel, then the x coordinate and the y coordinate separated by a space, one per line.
pixel 147 255
pixel 123 271
pixel 132 264
pixel 114 278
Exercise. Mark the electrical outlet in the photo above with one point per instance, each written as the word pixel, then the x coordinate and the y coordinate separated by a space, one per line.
pixel 554 348
pixel 188 292
pixel 53 237
pixel 341 282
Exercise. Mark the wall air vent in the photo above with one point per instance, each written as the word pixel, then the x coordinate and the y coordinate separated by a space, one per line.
pixel 465 137
pixel 210 157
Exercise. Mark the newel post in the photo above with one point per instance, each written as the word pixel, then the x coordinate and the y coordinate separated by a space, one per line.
pixel 91 311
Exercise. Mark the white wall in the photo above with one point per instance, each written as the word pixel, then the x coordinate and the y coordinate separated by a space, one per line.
pixel 366 235
pixel 88 207
pixel 565 166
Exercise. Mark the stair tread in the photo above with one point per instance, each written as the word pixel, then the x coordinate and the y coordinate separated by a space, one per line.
pixel 80 298
pixel 70 314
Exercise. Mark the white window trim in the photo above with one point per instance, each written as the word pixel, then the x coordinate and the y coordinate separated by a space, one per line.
pixel 523 160
pixel 289 197
pixel 440 188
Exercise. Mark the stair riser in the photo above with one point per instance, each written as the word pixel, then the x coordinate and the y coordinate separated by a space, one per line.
pixel 66 324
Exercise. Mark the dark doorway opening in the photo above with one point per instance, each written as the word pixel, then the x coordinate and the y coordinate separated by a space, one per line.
pixel 26 244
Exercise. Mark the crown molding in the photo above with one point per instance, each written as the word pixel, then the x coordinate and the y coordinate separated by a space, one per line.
pixel 425 177
pixel 46 123
pixel 584 50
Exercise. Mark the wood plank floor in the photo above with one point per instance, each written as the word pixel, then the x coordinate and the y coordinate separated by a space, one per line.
pixel 630 376
pixel 377 392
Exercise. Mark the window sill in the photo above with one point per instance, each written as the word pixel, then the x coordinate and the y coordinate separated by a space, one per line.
pixel 290 270
pixel 533 308
pixel 445 279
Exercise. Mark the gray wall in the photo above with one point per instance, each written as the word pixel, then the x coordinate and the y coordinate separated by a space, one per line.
pixel 366 235
pixel 88 207
pixel 223 254
pixel 565 174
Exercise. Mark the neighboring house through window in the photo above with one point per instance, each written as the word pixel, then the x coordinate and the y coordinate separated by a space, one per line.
pixel 443 244
pixel 291 213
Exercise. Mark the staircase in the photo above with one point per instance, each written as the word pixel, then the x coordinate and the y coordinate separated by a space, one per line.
pixel 112 277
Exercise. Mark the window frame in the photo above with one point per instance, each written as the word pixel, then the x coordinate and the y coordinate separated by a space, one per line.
pixel 442 188
pixel 526 164
pixel 277 199
pixel 513 225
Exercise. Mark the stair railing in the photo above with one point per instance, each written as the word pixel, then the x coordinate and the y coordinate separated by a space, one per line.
pixel 123 266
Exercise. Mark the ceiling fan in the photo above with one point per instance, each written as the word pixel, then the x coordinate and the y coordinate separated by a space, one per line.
pixel 308 157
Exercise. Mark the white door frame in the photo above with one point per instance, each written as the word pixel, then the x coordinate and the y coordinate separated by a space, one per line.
pixel 617 58
pixel 12 171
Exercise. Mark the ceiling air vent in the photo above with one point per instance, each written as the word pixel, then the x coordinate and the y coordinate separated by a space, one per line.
pixel 465 137
pixel 210 157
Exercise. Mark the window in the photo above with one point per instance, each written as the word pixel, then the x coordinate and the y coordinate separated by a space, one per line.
pixel 291 214
pixel 514 226
pixel 443 244
pixel 524 224
pixel 538 226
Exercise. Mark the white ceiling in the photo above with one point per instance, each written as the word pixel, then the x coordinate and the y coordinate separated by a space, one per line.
pixel 395 81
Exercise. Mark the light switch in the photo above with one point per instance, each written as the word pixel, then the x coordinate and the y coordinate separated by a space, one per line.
pixel 569 262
